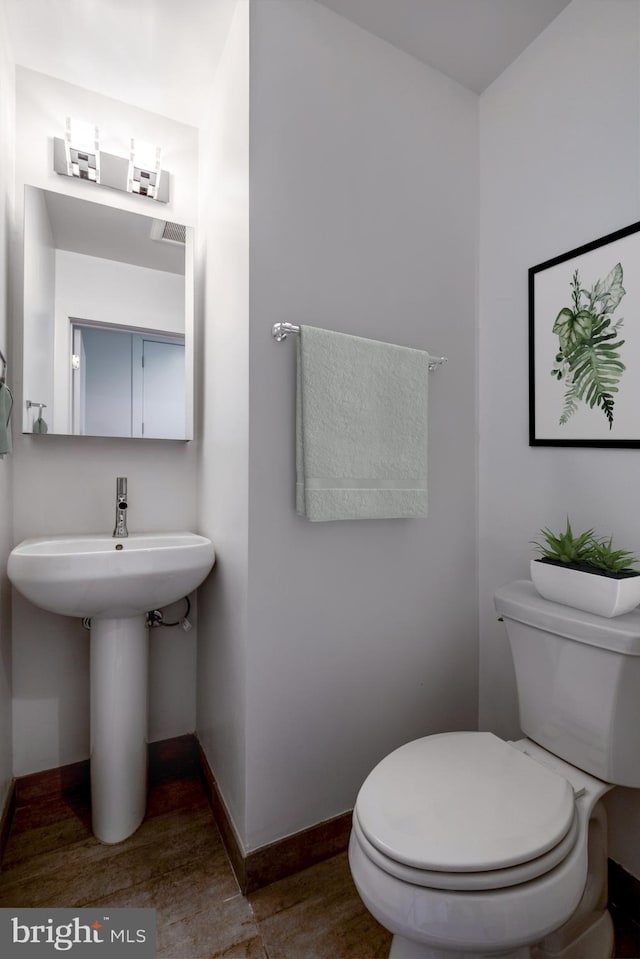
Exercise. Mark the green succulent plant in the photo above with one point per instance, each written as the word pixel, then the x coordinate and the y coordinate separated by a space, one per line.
pixel 586 548
pixel 603 556
pixel 566 547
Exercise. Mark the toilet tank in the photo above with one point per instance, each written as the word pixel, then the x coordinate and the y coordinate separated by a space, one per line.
pixel 578 679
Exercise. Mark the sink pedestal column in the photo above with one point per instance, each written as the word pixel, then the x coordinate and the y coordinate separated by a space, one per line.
pixel 119 664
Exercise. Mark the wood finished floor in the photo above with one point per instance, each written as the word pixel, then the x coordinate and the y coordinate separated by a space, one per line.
pixel 176 863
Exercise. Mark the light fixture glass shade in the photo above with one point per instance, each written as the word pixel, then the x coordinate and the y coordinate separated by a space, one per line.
pixel 144 169
pixel 82 149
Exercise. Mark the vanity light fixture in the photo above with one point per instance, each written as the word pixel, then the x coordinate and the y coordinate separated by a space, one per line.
pixel 82 150
pixel 144 169
pixel 79 155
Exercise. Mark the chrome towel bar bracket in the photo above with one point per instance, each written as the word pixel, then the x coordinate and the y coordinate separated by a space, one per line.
pixel 280 331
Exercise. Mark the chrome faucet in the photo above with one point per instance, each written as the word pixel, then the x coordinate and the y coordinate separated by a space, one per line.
pixel 121 507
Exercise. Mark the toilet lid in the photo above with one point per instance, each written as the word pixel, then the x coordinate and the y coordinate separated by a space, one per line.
pixel 463 802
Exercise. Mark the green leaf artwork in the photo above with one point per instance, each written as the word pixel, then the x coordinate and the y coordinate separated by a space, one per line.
pixel 588 358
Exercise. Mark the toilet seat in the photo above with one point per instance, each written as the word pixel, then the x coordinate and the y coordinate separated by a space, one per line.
pixel 465 811
pixel 460 881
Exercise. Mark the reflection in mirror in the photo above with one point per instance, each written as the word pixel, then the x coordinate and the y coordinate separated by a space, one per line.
pixel 108 321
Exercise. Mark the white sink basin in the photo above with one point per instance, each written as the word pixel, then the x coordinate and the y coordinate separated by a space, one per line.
pixel 110 578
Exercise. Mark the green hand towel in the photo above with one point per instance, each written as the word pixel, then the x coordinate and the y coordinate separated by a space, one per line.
pixel 361 428
pixel 6 405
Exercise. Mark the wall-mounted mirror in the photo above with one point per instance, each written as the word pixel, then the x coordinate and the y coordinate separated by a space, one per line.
pixel 108 321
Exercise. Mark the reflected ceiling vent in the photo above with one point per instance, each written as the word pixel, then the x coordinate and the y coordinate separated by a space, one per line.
pixel 164 231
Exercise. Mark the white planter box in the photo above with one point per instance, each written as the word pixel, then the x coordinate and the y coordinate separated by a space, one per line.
pixel 602 595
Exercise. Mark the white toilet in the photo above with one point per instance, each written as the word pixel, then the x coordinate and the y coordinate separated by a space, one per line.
pixel 466 845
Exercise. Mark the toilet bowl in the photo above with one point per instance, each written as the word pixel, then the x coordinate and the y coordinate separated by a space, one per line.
pixel 463 844
pixel 466 845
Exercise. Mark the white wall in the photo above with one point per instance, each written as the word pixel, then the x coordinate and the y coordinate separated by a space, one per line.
pixel 106 291
pixel 67 484
pixel 361 635
pixel 7 105
pixel 223 438
pixel 559 166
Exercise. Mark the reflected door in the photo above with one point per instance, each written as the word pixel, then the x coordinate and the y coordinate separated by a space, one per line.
pixel 163 390
pixel 102 384
pixel 128 384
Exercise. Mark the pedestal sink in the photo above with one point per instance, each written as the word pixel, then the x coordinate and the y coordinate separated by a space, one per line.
pixel 115 582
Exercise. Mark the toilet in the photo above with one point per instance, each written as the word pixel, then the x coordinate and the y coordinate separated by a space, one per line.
pixel 464 844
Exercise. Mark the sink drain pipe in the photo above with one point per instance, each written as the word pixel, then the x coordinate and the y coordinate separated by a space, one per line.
pixel 155 617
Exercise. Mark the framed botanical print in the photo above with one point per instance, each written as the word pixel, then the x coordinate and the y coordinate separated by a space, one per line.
pixel 584 345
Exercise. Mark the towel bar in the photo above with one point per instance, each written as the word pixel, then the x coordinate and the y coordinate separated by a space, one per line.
pixel 280 331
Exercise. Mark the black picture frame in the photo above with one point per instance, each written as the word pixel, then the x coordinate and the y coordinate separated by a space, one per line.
pixel 584 345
